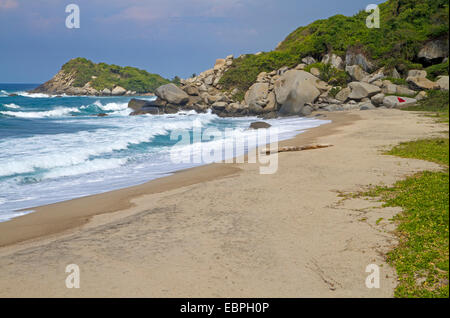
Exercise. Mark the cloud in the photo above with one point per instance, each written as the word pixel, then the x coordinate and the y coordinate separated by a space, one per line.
pixel 152 11
pixel 8 4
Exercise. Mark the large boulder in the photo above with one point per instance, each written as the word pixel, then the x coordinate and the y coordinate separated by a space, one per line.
pixel 118 91
pixel 353 57
pixel 367 106
pixel 356 72
pixel 417 73
pixel 388 88
pixel 343 94
pixel 442 81
pixel 334 60
pixel 219 64
pixel 191 90
pixel 138 104
pixel 377 99
pixel 375 76
pixel 294 89
pixel 141 107
pixel 172 94
pixel 420 83
pixel 257 94
pixel 405 91
pixel 360 90
pixel 434 51
pixel 272 103
pixel 398 102
pixel 219 106
pixel 308 60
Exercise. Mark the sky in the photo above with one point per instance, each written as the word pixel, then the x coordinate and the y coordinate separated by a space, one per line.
pixel 167 37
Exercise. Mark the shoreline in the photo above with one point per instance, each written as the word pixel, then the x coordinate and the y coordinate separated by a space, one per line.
pixel 46 220
pixel 225 230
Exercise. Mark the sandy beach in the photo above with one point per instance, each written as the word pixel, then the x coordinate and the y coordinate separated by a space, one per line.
pixel 224 230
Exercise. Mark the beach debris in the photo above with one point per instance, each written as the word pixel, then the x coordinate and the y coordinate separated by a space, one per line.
pixel 298 148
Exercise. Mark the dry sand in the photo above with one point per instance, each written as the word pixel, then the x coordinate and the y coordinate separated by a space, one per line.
pixel 225 230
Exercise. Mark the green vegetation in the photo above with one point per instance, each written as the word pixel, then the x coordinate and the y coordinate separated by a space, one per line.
pixel 422 256
pixel 107 76
pixel 437 102
pixel 330 74
pixel 397 81
pixel 405 25
pixel 434 71
pixel 334 91
pixel 435 150
pixel 245 70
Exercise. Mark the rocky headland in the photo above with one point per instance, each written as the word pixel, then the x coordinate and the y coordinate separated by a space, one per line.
pixel 294 91
pixel 80 76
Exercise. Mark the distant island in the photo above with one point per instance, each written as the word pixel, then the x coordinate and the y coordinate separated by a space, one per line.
pixel 81 76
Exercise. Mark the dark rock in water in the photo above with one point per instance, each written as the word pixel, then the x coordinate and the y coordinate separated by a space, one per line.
pixel 171 109
pixel 102 115
pixel 260 125
pixel 147 110
pixel 12 95
pixel 142 107
pixel 59 96
pixel 138 104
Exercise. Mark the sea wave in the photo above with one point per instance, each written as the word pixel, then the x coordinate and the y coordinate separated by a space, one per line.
pixel 65 150
pixel 88 167
pixel 14 106
pixel 57 112
pixel 111 106
pixel 34 95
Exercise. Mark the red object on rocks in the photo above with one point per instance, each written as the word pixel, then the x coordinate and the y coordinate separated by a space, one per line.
pixel 401 100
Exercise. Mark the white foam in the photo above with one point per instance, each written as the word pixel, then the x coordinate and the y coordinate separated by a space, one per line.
pixel 57 112
pixel 48 168
pixel 111 106
pixel 14 106
pixel 85 167
pixel 34 95
pixel 64 150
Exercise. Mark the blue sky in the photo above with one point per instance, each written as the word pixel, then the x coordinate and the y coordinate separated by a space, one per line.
pixel 171 37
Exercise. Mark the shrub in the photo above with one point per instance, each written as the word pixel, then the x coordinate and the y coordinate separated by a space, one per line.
pixel 405 26
pixel 244 71
pixel 104 76
pixel 330 74
pixel 436 70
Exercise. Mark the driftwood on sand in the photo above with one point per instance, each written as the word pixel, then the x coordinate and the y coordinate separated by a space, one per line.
pixel 297 148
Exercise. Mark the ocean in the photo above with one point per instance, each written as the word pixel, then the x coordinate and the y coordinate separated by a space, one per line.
pixel 55 148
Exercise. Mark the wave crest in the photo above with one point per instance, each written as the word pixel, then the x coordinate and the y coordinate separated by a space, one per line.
pixel 57 112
